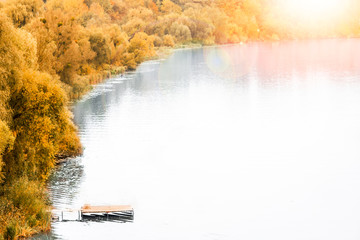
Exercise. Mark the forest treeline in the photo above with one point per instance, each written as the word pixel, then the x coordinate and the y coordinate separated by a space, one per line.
pixel 52 51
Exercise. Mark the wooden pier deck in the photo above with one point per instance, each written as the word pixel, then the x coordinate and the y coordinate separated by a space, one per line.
pixel 118 212
pixel 123 213
pixel 105 209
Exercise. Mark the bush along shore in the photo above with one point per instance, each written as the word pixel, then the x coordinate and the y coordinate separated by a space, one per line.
pixel 52 51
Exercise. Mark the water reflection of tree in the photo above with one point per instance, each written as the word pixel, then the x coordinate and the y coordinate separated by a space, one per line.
pixel 96 104
pixel 65 182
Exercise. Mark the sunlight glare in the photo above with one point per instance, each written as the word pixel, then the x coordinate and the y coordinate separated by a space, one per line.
pixel 314 9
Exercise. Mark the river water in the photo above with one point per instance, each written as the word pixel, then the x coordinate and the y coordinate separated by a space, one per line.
pixel 255 141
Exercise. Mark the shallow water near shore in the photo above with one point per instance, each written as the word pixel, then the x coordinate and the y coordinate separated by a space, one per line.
pixel 254 141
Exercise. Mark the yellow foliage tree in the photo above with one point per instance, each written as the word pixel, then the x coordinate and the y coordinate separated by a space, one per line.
pixel 40 120
pixel 6 142
pixel 168 41
pixel 37 106
pixel 142 46
pixel 168 6
pixel 22 11
pixel 180 31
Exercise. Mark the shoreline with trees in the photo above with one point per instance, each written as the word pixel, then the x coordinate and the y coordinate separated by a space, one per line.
pixel 52 52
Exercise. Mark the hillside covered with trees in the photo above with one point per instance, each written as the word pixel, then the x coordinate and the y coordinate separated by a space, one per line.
pixel 52 51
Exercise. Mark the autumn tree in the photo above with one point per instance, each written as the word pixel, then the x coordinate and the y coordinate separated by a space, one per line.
pixel 141 46
pixel 22 11
pixel 168 41
pixel 63 47
pixel 118 43
pixel 6 142
pixel 180 31
pixel 105 4
pixel 40 120
pixel 36 113
pixel 100 46
pixel 167 6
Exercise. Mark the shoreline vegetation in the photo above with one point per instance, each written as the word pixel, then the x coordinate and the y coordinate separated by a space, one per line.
pixel 53 51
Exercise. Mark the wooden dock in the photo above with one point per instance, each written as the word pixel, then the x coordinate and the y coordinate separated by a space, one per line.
pixel 105 209
pixel 122 213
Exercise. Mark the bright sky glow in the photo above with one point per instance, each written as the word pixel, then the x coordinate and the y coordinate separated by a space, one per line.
pixel 315 9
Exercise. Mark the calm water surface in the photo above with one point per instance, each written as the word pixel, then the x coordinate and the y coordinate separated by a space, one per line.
pixel 256 141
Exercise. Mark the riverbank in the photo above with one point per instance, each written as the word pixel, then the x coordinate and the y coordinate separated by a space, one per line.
pixel 53 52
pixel 14 230
pixel 184 116
pixel 162 53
